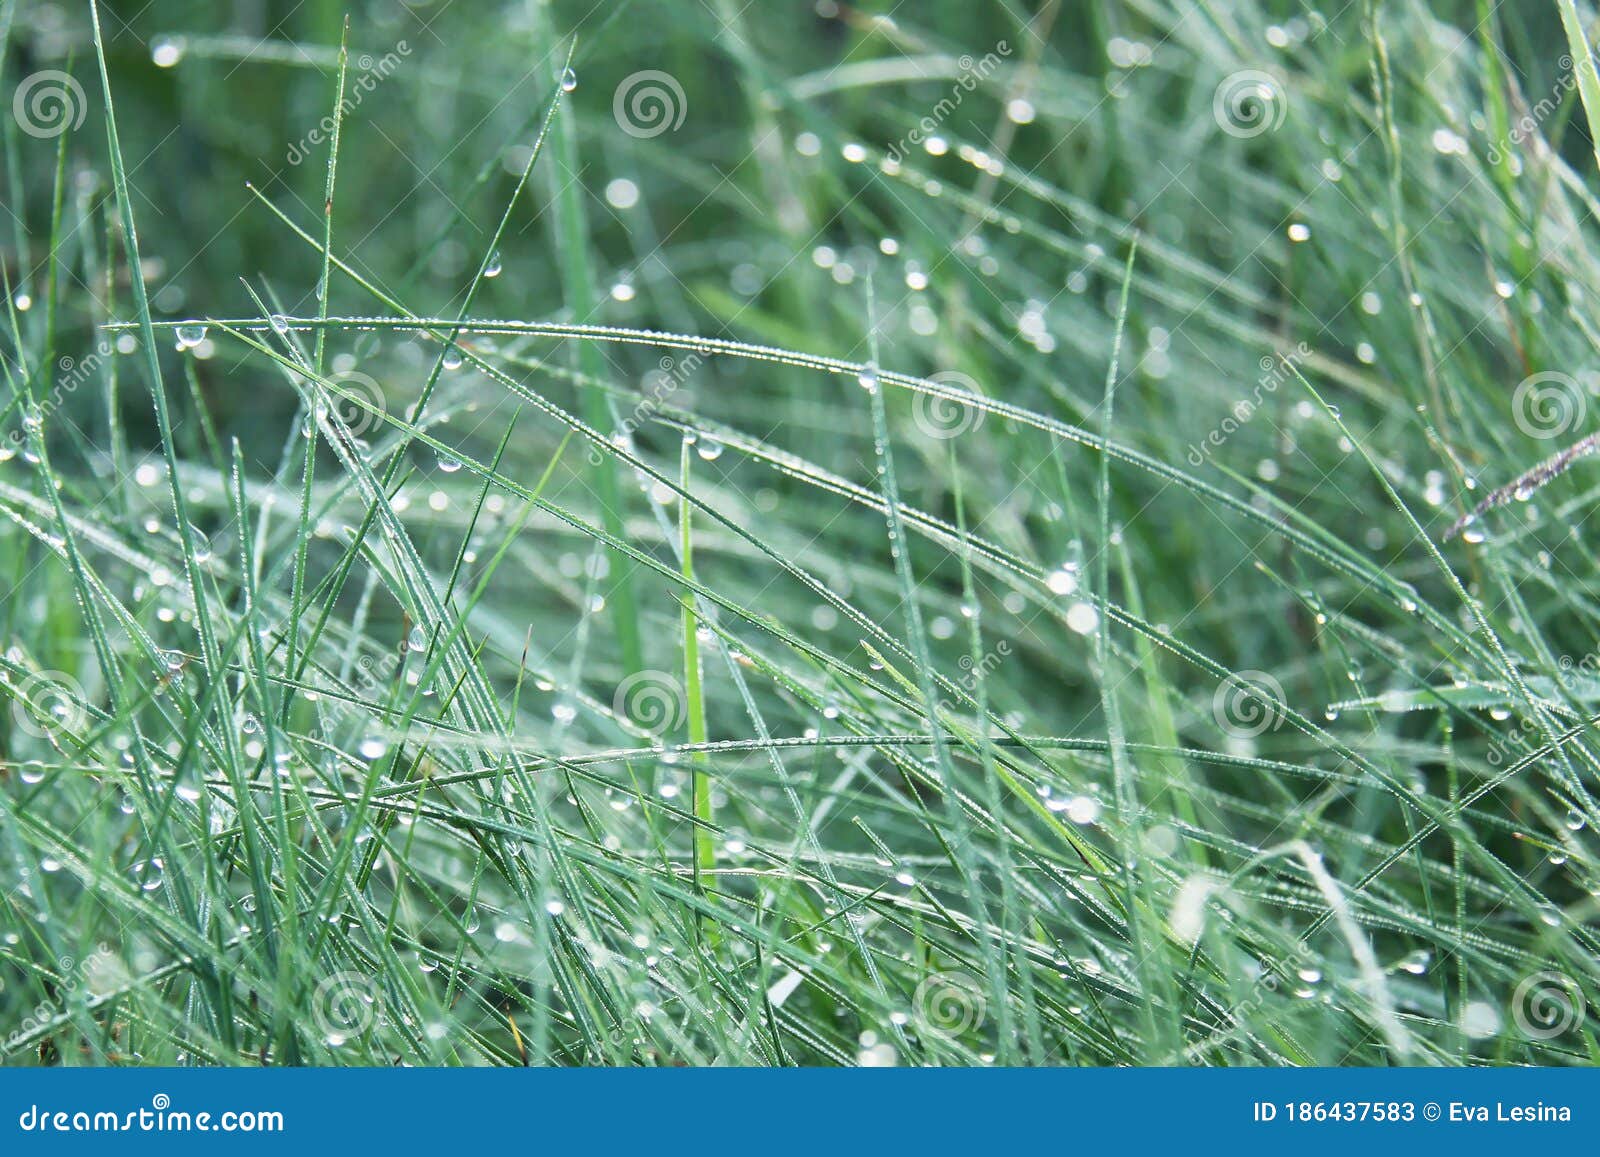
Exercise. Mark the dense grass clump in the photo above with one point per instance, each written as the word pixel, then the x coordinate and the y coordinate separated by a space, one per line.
pixel 686 533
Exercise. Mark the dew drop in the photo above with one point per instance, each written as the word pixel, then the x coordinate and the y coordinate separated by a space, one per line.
pixel 1063 581
pixel 147 874
pixel 1082 618
pixel 166 52
pixel 1417 962
pixel 1480 1020
pixel 1083 809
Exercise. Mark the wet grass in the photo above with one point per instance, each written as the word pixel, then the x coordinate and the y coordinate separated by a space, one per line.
pixel 685 534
